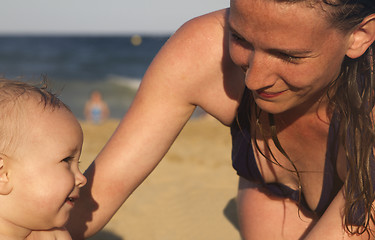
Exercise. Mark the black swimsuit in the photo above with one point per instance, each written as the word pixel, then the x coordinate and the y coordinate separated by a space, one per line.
pixel 244 162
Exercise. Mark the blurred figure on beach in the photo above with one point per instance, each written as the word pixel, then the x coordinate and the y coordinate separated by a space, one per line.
pixel 40 145
pixel 96 110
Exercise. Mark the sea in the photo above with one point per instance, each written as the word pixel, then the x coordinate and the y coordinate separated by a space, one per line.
pixel 77 65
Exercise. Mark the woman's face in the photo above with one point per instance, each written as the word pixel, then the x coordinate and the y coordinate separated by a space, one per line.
pixel 289 52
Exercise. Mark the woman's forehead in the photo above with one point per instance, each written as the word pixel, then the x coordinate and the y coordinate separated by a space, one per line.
pixel 311 4
pixel 267 25
pixel 270 17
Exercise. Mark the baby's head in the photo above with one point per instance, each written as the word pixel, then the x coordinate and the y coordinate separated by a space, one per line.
pixel 40 144
pixel 18 102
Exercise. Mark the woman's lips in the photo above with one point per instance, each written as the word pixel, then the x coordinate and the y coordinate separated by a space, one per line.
pixel 265 94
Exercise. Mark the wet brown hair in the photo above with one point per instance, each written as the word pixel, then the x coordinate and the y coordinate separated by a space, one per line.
pixel 353 99
pixel 351 96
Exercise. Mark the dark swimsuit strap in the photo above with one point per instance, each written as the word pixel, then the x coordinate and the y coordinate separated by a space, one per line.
pixel 330 183
pixel 244 159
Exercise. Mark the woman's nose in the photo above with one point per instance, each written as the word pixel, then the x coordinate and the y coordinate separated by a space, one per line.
pixel 259 73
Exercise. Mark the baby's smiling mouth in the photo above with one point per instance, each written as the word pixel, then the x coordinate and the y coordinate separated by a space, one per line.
pixel 71 200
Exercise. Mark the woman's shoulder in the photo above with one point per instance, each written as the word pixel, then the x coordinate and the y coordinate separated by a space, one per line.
pixel 195 63
pixel 211 22
pixel 204 40
pixel 206 31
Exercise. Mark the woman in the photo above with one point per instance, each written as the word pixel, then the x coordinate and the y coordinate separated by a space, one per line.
pixel 293 80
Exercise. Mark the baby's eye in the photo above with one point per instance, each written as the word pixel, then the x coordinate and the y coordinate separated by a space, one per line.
pixel 67 160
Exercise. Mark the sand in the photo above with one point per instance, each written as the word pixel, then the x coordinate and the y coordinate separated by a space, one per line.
pixel 189 196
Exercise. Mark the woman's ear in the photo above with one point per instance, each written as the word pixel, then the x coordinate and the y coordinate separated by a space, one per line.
pixel 362 37
pixel 5 184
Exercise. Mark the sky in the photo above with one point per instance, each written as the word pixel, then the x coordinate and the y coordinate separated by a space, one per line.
pixel 118 17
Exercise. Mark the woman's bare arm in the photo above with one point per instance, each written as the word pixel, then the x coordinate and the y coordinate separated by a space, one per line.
pixel 188 71
pixel 263 216
pixel 331 225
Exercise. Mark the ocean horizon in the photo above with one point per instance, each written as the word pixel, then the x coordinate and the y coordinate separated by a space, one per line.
pixel 75 65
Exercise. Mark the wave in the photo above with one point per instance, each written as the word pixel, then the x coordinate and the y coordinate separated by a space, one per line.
pixel 131 83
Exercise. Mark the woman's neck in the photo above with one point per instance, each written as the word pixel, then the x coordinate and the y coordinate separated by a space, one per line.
pixel 318 109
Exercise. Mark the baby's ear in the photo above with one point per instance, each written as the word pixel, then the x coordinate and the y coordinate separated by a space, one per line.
pixel 362 37
pixel 5 184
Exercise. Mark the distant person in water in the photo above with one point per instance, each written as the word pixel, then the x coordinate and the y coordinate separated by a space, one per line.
pixel 96 110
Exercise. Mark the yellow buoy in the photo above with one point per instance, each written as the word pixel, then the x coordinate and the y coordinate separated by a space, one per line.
pixel 136 40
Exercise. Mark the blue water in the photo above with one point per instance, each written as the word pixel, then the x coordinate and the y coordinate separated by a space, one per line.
pixel 77 65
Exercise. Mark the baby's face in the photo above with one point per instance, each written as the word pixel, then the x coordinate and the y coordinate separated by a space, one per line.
pixel 45 174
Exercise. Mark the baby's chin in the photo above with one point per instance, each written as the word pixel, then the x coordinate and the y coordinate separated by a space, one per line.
pixel 61 220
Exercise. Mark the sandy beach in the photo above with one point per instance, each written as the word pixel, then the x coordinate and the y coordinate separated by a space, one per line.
pixel 189 196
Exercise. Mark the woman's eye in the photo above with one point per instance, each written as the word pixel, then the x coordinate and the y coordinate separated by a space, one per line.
pixel 235 37
pixel 290 59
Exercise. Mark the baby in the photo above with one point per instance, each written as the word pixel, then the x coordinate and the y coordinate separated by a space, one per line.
pixel 40 144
